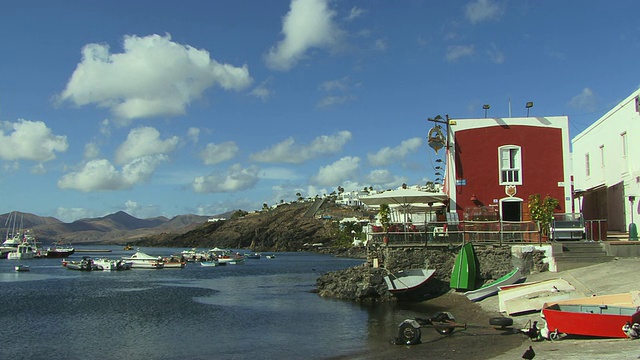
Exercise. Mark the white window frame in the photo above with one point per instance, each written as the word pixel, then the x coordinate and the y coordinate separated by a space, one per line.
pixel 587 165
pixel 510 165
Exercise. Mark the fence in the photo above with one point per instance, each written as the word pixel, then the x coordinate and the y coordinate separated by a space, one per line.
pixel 439 233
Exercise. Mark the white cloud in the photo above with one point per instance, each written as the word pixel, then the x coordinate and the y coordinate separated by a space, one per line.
pixel 193 134
pixel 30 140
pixel 455 52
pixel 309 24
pixel 328 101
pixel 355 13
pixel 217 153
pixel 586 100
pixel 236 179
pixel 335 85
pixel 288 152
pixel 388 155
pixel 262 91
pixel 495 54
pixel 384 178
pixel 340 171
pixel 381 45
pixel 153 76
pixel 144 141
pixel 91 150
pixel 101 175
pixel 483 10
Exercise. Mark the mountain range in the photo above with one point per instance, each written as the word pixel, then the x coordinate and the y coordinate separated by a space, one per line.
pixel 114 228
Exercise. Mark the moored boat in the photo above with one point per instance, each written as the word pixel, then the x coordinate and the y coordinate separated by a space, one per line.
pixel 59 250
pixel 252 255
pixel 85 264
pixel 463 276
pixel 492 288
pixel 105 264
pixel 194 254
pixel 407 281
pixel 21 268
pixel 174 262
pixel 211 263
pixel 23 251
pixel 607 316
pixel 140 260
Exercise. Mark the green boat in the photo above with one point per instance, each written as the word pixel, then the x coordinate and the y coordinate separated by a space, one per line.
pixel 463 276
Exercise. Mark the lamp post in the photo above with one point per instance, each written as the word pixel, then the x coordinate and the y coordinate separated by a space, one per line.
pixel 529 105
pixel 486 107
pixel 633 230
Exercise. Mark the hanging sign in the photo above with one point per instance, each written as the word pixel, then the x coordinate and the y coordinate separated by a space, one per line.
pixel 436 139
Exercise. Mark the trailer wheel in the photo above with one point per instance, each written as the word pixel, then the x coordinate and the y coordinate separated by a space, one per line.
pixel 501 321
pixel 408 334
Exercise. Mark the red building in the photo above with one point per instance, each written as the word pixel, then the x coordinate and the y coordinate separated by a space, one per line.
pixel 494 164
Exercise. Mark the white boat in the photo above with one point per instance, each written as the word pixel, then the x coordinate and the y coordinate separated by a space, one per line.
pixel 140 260
pixel 225 256
pixel 22 252
pixel 528 297
pixel 194 254
pixel 408 280
pixel 212 262
pixel 105 264
pixel 173 262
pixel 492 288
pixel 272 256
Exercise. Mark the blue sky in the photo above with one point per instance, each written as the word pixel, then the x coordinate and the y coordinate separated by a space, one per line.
pixel 162 108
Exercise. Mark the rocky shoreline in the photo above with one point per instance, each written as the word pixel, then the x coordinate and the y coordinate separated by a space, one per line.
pixel 365 283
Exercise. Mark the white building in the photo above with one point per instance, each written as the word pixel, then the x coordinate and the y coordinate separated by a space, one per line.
pixel 606 166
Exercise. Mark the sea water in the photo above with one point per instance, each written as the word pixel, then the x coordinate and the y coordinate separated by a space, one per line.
pixel 262 309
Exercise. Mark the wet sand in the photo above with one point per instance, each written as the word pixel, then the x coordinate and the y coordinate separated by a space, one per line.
pixel 478 341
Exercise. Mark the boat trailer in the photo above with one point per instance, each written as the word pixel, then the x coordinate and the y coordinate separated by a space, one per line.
pixel 409 330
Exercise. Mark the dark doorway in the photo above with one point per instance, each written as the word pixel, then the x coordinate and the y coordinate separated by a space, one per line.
pixel 512 210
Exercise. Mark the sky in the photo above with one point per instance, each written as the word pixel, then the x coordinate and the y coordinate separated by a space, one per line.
pixel 164 108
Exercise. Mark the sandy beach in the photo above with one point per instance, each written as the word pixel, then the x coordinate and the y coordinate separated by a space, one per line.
pixel 482 341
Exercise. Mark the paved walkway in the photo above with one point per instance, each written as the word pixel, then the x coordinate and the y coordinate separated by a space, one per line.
pixel 622 275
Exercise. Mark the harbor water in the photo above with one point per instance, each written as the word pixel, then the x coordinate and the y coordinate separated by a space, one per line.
pixel 263 309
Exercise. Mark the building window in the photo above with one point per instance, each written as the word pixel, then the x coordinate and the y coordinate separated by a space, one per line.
pixel 510 165
pixel 587 166
pixel 601 155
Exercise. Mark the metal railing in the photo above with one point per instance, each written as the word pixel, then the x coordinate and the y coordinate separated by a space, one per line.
pixel 439 233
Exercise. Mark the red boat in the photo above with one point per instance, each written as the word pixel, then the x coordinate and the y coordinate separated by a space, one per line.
pixel 598 316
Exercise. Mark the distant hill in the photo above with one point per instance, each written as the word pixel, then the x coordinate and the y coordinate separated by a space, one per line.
pixel 119 227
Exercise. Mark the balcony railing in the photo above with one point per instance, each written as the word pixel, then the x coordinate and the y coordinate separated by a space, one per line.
pixel 440 233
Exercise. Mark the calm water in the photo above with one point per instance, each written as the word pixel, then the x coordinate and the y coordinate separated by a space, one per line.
pixel 260 310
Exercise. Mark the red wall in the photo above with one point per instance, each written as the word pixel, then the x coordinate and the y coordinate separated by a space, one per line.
pixel 477 162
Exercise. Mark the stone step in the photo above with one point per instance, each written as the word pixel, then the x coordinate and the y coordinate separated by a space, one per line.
pixel 564 263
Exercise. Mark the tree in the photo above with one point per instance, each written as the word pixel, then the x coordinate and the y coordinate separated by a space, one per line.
pixel 385 218
pixel 542 211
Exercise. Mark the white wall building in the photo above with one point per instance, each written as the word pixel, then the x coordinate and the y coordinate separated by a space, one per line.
pixel 606 166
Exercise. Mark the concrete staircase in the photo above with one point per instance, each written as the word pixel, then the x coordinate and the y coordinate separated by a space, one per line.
pixel 575 254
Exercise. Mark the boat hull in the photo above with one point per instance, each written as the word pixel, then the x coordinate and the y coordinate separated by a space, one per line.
pixel 408 280
pixel 595 316
pixel 493 287
pixel 463 276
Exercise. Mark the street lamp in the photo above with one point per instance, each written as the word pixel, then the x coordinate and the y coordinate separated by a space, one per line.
pixel 486 107
pixel 529 105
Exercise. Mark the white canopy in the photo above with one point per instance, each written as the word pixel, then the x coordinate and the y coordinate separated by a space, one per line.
pixel 403 197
